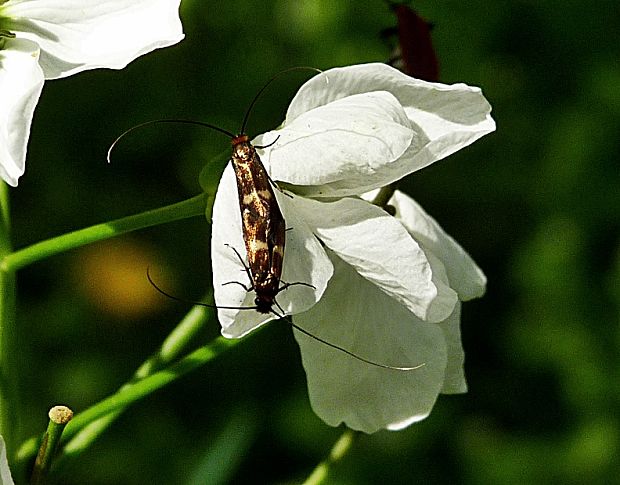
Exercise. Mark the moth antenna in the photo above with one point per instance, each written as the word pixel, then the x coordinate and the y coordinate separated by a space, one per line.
pixel 209 125
pixel 341 349
pixel 266 85
pixel 288 320
pixel 152 122
pixel 192 302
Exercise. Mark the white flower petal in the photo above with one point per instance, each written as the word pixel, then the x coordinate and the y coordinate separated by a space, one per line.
pixel 454 379
pixel 305 261
pixel 76 35
pixel 446 118
pixel 5 473
pixel 21 82
pixel 344 143
pixel 464 275
pixel 356 316
pixel 445 301
pixel 380 249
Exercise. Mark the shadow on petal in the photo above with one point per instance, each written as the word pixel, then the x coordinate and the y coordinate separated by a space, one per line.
pixel 357 316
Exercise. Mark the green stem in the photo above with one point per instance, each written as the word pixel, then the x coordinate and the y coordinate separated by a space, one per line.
pixel 179 338
pixel 170 350
pixel 176 342
pixel 5 220
pixel 8 359
pixel 10 262
pixel 340 449
pixel 385 194
pixel 59 417
pixel 50 247
pixel 127 396
pixel 9 417
pixel 150 384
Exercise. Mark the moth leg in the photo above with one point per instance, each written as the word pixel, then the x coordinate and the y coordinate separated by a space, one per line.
pixel 283 315
pixel 238 255
pixel 240 284
pixel 246 268
pixel 298 283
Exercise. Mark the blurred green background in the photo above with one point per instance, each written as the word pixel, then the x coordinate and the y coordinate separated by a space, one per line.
pixel 536 204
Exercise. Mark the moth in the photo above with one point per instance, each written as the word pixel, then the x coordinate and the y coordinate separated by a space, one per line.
pixel 262 224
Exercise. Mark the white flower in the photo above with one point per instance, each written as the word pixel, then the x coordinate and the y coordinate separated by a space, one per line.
pixel 386 288
pixel 49 39
pixel 369 323
pixel 5 473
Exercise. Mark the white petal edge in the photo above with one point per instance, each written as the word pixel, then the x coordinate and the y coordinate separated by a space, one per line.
pixel 5 473
pixel 446 117
pixel 445 301
pixel 457 103
pixel 21 82
pixel 381 250
pixel 77 35
pixel 356 316
pixel 464 275
pixel 346 142
pixel 304 261
pixel 454 379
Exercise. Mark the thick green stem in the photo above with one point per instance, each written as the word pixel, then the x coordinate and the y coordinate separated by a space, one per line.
pixel 150 384
pixel 8 360
pixel 5 220
pixel 171 349
pixel 340 449
pixel 10 262
pixel 50 247
pixel 385 194
pixel 59 417
pixel 138 390
pixel 177 341
pixel 9 379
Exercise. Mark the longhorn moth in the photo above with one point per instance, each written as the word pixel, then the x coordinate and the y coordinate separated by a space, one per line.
pixel 262 224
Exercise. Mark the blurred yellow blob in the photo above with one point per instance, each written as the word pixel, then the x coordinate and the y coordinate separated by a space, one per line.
pixel 112 276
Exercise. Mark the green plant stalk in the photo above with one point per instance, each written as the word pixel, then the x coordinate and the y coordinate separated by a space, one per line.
pixel 9 401
pixel 9 376
pixel 50 247
pixel 59 417
pixel 338 451
pixel 5 220
pixel 138 390
pixel 385 194
pixel 171 349
pixel 10 262
pixel 150 384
